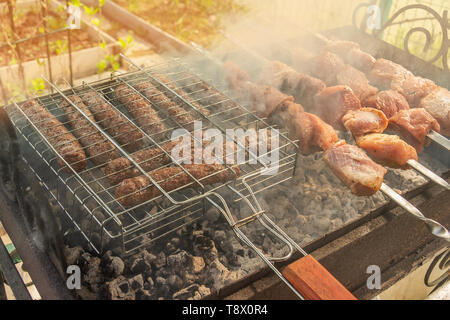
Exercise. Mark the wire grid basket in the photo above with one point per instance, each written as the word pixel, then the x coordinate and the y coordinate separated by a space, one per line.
pixel 87 197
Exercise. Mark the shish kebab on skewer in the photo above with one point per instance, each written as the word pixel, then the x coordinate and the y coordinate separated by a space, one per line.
pixel 412 124
pixel 340 156
pixel 400 89
pixel 332 103
pixel 394 104
pixel 396 82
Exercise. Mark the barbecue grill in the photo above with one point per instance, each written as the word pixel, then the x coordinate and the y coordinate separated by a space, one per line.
pixel 88 201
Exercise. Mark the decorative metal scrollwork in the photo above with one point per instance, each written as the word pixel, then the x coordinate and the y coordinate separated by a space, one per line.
pixel 439 263
pixel 443 22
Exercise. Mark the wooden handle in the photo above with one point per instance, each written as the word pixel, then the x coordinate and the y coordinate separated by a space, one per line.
pixel 314 282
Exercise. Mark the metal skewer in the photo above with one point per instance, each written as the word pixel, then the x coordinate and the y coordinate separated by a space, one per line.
pixel 435 228
pixel 412 163
pixel 439 139
pixel 428 173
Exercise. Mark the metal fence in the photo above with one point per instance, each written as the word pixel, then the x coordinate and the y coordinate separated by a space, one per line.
pixel 317 16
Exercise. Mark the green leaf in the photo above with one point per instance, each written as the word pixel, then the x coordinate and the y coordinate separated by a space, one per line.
pixel 38 85
pixel 101 66
pixel 90 10
pixel 75 3
pixel 96 21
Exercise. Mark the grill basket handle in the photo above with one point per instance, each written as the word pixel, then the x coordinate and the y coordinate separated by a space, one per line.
pixel 314 282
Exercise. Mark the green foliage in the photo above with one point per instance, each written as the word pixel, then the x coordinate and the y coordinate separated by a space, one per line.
pixel 37 85
pixel 75 3
pixel 109 63
pixel 126 42
pixel 90 10
pixel 61 47
pixel 188 20
pixel 96 22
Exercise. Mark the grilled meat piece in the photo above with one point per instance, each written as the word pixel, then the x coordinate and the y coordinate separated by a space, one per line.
pixel 385 73
pixel 312 133
pixel 180 92
pixel 170 107
pixel 388 150
pixel 355 169
pixel 275 73
pixel 65 144
pixel 360 60
pixel 207 94
pixel 326 66
pixel 141 110
pixel 364 121
pixel 301 59
pixel 414 89
pixel 351 53
pixel 334 102
pixel 324 135
pixel 302 87
pixel 389 102
pixel 99 149
pixel 336 72
pixel 437 104
pixel 234 75
pixel 114 122
pixel 265 99
pixel 357 81
pixel 137 190
pixel 285 113
pixel 341 47
pixel 413 125
pixel 149 159
pixel 153 158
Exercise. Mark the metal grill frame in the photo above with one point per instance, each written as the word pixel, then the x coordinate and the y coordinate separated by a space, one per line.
pixel 91 193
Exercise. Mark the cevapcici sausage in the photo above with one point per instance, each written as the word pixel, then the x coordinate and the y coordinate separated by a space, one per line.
pixel 58 136
pixel 149 159
pixel 115 123
pixel 137 190
pixel 153 158
pixel 180 92
pixel 208 94
pixel 164 103
pixel 98 148
pixel 141 110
